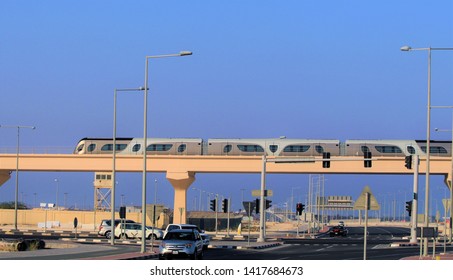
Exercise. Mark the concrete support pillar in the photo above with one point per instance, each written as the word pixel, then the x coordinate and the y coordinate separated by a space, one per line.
pixel 181 182
pixel 4 176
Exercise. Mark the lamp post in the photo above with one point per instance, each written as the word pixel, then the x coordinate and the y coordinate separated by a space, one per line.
pixel 292 198
pixel 154 214
pixel 18 127
pixel 199 200
pixel 145 124
pixel 112 197
pixel 428 133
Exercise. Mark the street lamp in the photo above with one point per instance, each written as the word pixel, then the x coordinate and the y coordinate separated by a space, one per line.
pixel 292 197
pixel 199 200
pixel 145 124
pixel 112 198
pixel 428 132
pixel 17 166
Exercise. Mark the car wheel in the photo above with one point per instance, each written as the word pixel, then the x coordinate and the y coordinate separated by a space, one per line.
pixel 194 255
pixel 201 255
pixel 108 234
pixel 149 236
pixel 123 236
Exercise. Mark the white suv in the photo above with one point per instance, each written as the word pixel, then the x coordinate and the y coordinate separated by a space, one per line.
pixel 134 230
pixel 203 235
pixel 105 228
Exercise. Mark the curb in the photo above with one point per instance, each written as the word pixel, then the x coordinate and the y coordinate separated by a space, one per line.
pixel 245 247
pixel 403 244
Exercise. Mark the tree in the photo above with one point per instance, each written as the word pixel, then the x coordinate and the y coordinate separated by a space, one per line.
pixel 10 205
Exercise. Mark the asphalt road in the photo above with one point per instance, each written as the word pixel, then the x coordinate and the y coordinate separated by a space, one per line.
pixel 323 247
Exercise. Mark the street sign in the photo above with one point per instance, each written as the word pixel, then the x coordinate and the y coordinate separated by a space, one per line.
pixel 257 193
pixel 249 206
pixel 430 232
pixel 360 203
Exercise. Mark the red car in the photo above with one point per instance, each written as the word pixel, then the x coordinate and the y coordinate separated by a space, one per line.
pixel 338 231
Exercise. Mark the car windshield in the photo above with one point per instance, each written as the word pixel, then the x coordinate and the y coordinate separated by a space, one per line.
pixel 191 227
pixel 180 236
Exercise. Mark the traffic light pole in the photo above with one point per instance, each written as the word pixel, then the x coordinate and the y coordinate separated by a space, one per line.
pixel 228 221
pixel 262 237
pixel 415 165
pixel 216 212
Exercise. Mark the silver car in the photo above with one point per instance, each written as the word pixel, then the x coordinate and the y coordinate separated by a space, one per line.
pixel 181 243
pixel 204 236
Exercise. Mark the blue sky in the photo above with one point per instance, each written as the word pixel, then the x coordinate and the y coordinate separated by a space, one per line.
pixel 259 69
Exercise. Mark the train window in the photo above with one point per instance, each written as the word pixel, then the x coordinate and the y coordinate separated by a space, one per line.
pixel 411 150
pixel 319 149
pixel 107 147
pixel 159 147
pixel 91 147
pixel 250 148
pixel 296 148
pixel 435 150
pixel 181 148
pixel 388 149
pixel 136 147
pixel 364 149
pixel 120 147
pixel 227 149
pixel 273 148
pixel 80 147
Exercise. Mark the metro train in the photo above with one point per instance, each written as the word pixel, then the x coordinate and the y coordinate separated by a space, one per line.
pixel 256 147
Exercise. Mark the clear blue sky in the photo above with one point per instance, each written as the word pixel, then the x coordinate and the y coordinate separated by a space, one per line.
pixel 260 69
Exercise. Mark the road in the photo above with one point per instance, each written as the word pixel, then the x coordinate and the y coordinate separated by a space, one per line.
pixel 323 247
pixel 333 248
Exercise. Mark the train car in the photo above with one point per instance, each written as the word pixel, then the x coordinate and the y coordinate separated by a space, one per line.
pixel 436 147
pixel 156 146
pixel 165 146
pixel 275 147
pixel 397 148
pixel 100 145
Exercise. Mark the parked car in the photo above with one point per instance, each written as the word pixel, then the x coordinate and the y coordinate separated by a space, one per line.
pixel 204 236
pixel 105 228
pixel 181 243
pixel 338 231
pixel 134 230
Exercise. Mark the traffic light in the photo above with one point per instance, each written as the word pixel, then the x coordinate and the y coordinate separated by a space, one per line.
pixel 299 208
pixel 367 159
pixel 409 207
pixel 408 162
pixel 268 203
pixel 214 205
pixel 122 212
pixel 257 206
pixel 326 160
pixel 225 205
